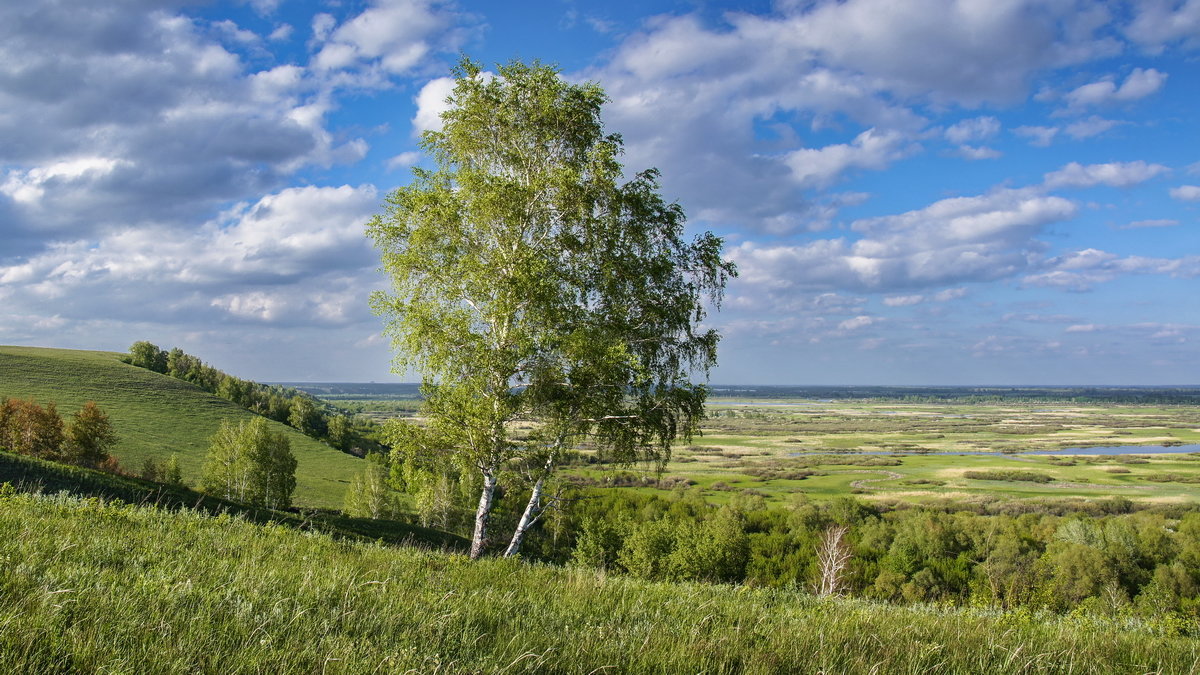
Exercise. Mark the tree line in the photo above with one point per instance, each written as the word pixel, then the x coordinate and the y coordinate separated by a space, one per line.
pixel 1114 561
pixel 28 428
pixel 287 405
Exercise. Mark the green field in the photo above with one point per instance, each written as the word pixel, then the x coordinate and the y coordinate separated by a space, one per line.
pixel 157 416
pixel 90 587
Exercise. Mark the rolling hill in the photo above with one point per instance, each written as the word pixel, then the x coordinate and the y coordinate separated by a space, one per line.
pixel 157 416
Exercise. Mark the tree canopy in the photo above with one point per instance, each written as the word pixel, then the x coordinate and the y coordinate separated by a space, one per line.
pixel 531 281
pixel 249 463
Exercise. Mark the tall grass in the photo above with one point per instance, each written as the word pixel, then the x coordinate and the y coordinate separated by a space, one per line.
pixel 93 587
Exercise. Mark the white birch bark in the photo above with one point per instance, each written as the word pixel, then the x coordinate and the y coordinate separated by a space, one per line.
pixel 482 514
pixel 528 518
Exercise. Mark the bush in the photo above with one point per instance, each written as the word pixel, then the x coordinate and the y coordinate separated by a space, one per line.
pixel 1009 475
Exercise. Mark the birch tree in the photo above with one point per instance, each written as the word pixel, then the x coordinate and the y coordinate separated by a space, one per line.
pixel 247 462
pixel 531 281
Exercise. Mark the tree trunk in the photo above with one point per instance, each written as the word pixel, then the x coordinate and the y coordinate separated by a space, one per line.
pixel 482 514
pixel 532 510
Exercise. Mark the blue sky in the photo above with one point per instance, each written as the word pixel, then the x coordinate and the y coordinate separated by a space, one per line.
pixel 921 192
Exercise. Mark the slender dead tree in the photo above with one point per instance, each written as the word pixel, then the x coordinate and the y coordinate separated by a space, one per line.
pixel 833 557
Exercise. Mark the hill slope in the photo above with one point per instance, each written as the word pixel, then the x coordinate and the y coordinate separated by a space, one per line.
pixel 157 416
pixel 103 588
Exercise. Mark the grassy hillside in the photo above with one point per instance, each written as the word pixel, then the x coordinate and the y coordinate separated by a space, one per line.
pixel 90 587
pixel 157 416
pixel 29 474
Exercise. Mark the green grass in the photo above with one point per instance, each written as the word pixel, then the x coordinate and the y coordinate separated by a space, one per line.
pixel 157 416
pixel 90 588
pixel 29 474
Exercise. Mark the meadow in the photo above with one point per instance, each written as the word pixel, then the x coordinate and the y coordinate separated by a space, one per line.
pixel 157 416
pixel 104 587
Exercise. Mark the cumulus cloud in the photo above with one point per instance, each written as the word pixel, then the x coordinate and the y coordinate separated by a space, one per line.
pixel 1140 83
pixel 1087 128
pixel 392 36
pixel 1038 136
pixel 953 240
pixel 117 115
pixel 431 103
pixel 688 96
pixel 1186 193
pixel 1112 174
pixel 403 160
pixel 1082 270
pixel 1157 22
pixel 872 149
pixel 298 255
pixel 973 130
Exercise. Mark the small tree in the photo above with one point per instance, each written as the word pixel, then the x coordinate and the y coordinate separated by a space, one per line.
pixel 369 495
pixel 173 474
pixel 29 429
pixel 89 436
pixel 528 281
pixel 147 355
pixel 833 559
pixel 250 463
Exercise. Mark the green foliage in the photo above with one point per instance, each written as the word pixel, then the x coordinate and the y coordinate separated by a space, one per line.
pixel 27 428
pixel 1010 475
pixel 89 437
pixel 147 355
pixel 369 495
pixel 528 282
pixel 250 463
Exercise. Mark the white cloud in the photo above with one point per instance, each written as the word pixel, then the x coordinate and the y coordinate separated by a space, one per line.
pixel 431 103
pixel 953 240
pixel 1081 270
pixel 404 159
pixel 974 129
pixel 1138 84
pixel 394 35
pixel 1087 128
pixel 117 116
pixel 1039 136
pixel 855 323
pixel 903 300
pixel 1157 22
pixel 976 153
pixel 1186 193
pixel 299 248
pixel 690 97
pixel 1113 174
pixel 1156 222
pixel 950 294
pixel 872 149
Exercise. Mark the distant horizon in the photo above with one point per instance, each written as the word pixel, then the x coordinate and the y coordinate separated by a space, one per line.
pixel 812 386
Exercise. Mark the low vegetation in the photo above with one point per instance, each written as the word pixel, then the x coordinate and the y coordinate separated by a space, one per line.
pixel 1009 475
pixel 98 587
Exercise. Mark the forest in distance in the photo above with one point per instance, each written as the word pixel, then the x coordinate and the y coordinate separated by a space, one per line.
pixel 719 392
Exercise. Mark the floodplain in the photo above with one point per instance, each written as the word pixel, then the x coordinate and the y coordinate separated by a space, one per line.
pixel 933 451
